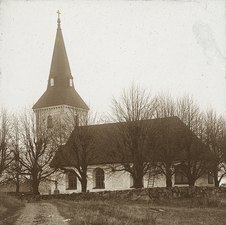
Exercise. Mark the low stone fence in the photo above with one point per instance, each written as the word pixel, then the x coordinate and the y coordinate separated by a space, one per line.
pixel 135 194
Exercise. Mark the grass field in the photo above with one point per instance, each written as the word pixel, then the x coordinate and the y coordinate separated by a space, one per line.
pixel 209 211
pixel 142 213
pixel 8 208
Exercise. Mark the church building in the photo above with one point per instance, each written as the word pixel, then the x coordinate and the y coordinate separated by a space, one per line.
pixel 61 104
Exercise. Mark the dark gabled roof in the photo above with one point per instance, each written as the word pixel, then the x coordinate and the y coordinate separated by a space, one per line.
pixel 63 91
pixel 104 152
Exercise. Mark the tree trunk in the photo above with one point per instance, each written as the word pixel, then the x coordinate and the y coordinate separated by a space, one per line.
pixel 191 182
pixel 169 181
pixel 35 186
pixel 215 177
pixel 84 184
pixel 138 182
pixel 168 177
pixel 17 183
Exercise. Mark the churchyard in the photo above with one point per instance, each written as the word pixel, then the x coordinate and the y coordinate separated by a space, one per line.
pixel 187 207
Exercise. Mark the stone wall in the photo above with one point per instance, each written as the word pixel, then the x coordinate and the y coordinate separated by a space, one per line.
pixel 136 194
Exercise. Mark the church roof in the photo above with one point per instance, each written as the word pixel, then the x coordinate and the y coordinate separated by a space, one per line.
pixel 60 88
pixel 104 150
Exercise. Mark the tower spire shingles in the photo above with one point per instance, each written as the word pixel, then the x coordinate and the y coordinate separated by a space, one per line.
pixel 60 88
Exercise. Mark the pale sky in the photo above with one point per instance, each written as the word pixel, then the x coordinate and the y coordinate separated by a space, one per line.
pixel 177 47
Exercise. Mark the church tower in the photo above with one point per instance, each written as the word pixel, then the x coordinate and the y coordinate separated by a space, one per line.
pixel 60 103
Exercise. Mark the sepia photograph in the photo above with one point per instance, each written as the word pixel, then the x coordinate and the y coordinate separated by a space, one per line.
pixel 112 112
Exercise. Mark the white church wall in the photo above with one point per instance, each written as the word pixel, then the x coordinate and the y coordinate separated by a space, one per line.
pixel 154 181
pixel 119 180
pixel 62 184
pixel 202 181
pixel 223 181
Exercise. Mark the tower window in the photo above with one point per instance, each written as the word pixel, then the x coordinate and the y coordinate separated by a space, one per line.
pixel 49 122
pixel 70 82
pixel 51 82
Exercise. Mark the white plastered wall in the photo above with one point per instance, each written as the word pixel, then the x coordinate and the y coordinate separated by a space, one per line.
pixel 119 180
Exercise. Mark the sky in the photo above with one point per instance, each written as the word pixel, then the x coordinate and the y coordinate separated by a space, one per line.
pixel 175 47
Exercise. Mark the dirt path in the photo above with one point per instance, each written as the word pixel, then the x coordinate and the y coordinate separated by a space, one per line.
pixel 40 214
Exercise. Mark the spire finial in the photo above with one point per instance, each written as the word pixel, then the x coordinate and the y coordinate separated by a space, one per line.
pixel 58 20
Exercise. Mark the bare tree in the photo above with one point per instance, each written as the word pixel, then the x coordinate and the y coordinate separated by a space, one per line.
pixel 78 151
pixel 196 157
pixel 5 152
pixel 215 130
pixel 37 149
pixel 166 106
pixel 131 137
pixel 14 172
pixel 168 138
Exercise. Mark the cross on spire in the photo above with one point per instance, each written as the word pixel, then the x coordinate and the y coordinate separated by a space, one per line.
pixel 58 12
pixel 58 20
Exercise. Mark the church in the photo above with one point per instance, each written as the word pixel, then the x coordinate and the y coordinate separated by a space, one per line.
pixel 62 104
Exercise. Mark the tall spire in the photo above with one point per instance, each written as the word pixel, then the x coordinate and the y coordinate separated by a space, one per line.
pixel 60 88
pixel 60 68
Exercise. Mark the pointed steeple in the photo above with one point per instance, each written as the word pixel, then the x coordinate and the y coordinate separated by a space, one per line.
pixel 60 88
pixel 60 70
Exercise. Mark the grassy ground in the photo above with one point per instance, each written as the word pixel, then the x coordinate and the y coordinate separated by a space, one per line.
pixel 178 212
pixel 8 208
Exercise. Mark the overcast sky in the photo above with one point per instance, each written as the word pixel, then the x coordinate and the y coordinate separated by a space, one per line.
pixel 165 46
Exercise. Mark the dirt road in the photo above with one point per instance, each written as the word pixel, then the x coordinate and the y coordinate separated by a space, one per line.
pixel 40 214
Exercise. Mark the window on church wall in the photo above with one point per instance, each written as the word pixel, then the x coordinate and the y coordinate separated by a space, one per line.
pixel 51 82
pixel 99 178
pixel 180 178
pixel 72 180
pixel 70 83
pixel 49 122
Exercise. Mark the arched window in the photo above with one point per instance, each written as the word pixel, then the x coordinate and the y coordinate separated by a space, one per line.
pixel 51 82
pixel 99 178
pixel 49 122
pixel 180 178
pixel 72 180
